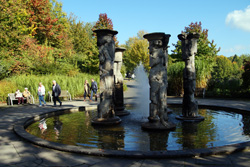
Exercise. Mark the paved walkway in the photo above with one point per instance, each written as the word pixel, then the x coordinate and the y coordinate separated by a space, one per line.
pixel 16 152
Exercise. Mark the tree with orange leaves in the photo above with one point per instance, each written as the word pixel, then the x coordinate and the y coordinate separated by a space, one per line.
pixel 105 23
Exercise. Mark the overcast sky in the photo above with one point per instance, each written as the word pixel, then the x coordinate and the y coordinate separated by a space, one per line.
pixel 227 21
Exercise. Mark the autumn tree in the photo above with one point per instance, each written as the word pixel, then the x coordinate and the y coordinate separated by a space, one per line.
pixel 105 23
pixel 40 20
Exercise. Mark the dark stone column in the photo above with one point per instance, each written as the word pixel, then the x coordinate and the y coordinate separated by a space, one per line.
pixel 106 44
pixel 189 105
pixel 158 117
pixel 118 92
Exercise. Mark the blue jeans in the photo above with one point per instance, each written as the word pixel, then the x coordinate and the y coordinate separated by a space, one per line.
pixel 85 95
pixel 93 90
pixel 41 98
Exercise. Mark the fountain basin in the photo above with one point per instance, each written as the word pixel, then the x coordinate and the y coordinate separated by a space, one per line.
pixel 19 128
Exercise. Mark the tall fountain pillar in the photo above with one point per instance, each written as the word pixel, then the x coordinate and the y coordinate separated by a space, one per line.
pixel 118 79
pixel 106 44
pixel 189 104
pixel 158 116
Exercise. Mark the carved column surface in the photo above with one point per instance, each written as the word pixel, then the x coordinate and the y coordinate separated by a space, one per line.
pixel 118 64
pixel 189 49
pixel 106 45
pixel 118 81
pixel 158 116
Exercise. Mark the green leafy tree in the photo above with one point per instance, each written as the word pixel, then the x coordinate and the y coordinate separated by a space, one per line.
pixel 137 52
pixel 239 59
pixel 223 70
pixel 13 30
pixel 13 21
pixel 84 45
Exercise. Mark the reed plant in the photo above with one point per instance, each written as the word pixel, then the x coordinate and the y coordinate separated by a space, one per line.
pixel 203 72
pixel 74 84
pixel 175 78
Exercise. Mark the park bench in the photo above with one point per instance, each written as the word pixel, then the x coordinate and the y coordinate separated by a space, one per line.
pixel 200 92
pixel 64 93
pixel 12 97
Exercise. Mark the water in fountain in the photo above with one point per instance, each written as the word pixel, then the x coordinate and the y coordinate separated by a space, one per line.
pixel 142 107
pixel 219 128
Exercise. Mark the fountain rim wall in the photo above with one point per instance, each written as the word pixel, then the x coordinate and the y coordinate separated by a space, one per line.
pixel 20 126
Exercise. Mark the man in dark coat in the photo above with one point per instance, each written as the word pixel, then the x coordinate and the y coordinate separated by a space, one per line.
pixel 93 89
pixel 56 92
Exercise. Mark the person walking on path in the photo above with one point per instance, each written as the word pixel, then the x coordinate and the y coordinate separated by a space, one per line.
pixel 27 94
pixel 41 94
pixel 86 90
pixel 93 89
pixel 19 96
pixel 56 92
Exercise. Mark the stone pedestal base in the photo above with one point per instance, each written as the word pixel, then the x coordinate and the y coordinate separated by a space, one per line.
pixel 122 112
pixel 153 119
pixel 157 126
pixel 106 121
pixel 190 119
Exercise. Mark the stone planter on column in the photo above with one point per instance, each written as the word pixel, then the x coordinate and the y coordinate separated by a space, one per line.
pixel 118 91
pixel 106 44
pixel 189 104
pixel 158 116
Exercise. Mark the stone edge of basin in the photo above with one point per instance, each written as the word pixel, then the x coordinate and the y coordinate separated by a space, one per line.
pixel 19 129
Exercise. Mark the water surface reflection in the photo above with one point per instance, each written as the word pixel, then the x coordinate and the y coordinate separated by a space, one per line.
pixel 219 128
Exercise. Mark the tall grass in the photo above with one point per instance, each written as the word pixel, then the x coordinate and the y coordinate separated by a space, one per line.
pixel 175 78
pixel 75 84
pixel 175 75
pixel 203 72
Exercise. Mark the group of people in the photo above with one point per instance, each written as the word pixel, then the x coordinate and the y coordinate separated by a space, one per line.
pixel 90 90
pixel 20 96
pixel 56 92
